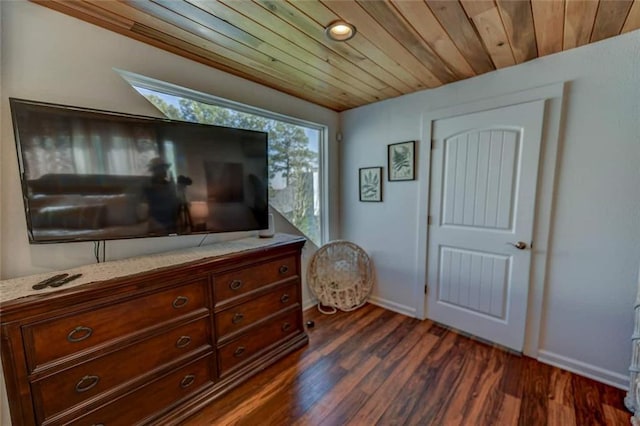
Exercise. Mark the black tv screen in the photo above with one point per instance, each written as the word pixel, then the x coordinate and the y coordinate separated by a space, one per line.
pixel 90 175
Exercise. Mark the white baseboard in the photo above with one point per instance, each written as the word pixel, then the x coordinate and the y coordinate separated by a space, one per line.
pixel 393 306
pixel 374 300
pixel 309 303
pixel 591 371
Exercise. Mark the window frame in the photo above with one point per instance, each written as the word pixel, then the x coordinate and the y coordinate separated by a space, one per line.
pixel 149 83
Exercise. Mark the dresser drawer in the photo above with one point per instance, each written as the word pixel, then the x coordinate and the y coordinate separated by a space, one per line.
pixel 241 281
pixel 154 398
pixel 239 317
pixel 252 343
pixel 65 389
pixel 61 336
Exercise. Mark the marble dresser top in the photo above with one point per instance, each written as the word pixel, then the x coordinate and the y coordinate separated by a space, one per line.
pixel 16 288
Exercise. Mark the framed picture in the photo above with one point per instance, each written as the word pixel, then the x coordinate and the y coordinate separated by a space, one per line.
pixel 370 180
pixel 401 161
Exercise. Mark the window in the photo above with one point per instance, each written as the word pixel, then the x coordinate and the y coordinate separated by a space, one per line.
pixel 294 147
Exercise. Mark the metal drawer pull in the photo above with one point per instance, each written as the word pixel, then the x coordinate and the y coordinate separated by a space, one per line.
pixel 285 298
pixel 180 302
pixel 79 334
pixel 183 342
pixel 98 424
pixel 237 318
pixel 283 269
pixel 239 351
pixel 187 381
pixel 235 284
pixel 86 383
pixel 286 326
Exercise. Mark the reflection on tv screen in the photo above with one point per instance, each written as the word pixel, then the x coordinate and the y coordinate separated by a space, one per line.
pixel 93 175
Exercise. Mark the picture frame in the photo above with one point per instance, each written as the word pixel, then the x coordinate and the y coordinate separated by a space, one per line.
pixel 370 184
pixel 401 161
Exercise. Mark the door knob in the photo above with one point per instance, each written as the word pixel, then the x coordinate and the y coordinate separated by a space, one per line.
pixel 520 245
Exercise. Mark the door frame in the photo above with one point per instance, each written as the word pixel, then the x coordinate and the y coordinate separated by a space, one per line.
pixel 553 95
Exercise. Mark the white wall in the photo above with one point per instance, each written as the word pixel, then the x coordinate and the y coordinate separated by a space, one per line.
pixel 594 248
pixel 4 403
pixel 51 57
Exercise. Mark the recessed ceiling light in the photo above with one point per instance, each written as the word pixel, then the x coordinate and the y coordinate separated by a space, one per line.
pixel 340 31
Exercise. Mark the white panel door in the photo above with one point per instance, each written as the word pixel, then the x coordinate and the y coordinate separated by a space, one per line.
pixel 484 169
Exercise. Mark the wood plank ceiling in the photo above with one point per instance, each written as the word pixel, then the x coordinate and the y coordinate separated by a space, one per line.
pixel 401 46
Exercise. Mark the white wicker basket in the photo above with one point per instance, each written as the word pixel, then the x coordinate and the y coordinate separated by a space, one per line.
pixel 340 276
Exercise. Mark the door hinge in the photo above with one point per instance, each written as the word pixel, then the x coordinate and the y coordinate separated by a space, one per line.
pixel 429 220
pixel 425 288
pixel 433 144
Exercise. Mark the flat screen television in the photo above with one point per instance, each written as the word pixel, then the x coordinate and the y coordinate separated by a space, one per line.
pixel 91 175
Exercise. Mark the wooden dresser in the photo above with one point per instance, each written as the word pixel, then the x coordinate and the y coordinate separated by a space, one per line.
pixel 153 345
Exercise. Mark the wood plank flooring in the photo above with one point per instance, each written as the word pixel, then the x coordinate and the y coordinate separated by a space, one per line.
pixel 376 367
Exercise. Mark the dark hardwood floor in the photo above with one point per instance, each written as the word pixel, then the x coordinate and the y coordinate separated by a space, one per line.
pixel 373 366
